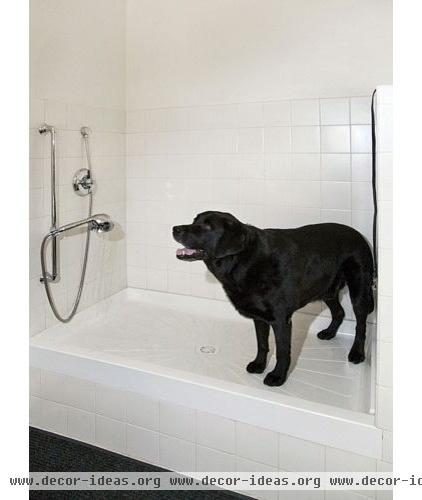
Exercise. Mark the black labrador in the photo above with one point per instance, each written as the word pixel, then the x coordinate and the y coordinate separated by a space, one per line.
pixel 268 274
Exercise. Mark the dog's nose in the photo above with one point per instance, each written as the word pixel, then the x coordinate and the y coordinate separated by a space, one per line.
pixel 177 230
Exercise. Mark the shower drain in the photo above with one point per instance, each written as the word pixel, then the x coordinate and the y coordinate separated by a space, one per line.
pixel 207 349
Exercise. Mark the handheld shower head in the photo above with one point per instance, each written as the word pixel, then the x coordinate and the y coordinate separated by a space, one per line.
pixel 101 223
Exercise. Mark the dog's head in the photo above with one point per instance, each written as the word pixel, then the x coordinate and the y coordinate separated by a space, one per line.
pixel 212 235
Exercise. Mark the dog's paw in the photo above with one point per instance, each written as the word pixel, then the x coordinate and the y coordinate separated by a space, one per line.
pixel 356 356
pixel 326 334
pixel 255 367
pixel 274 380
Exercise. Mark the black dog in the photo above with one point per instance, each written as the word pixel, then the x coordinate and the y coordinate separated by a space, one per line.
pixel 268 274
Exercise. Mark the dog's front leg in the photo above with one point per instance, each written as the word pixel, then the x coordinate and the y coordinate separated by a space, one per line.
pixel 283 337
pixel 262 330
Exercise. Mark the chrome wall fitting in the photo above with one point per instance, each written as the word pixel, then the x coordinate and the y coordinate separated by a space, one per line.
pixel 85 131
pixel 99 223
pixel 82 182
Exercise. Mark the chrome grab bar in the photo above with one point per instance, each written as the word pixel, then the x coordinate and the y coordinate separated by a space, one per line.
pixel 54 275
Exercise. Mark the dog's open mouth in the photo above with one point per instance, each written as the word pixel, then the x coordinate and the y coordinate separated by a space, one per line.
pixel 189 254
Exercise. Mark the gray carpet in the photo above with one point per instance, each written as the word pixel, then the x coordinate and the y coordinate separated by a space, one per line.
pixel 52 453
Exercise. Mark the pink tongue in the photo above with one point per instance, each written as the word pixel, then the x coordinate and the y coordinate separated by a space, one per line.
pixel 185 251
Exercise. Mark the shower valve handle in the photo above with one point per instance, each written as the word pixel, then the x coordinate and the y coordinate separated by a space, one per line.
pixel 83 182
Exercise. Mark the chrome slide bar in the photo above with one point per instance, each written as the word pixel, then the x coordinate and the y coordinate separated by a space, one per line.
pixel 55 274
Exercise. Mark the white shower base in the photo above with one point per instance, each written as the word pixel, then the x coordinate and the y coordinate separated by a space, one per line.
pixel 193 352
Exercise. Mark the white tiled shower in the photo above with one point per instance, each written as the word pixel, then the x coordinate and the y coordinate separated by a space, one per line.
pixel 272 164
pixel 106 272
pixel 272 157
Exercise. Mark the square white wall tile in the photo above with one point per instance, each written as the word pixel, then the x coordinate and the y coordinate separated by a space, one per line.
pixel 251 166
pixel 142 444
pixel 176 454
pixel 305 139
pixel 361 167
pixel 257 444
pixel 110 402
pixel 336 195
pixel 344 461
pixel 335 167
pixel 385 318
pixel 387 446
pixel 305 112
pixel 53 417
pixel 277 166
pixel 385 128
pixel 35 411
pixel 360 110
pixel 276 113
pixel 252 192
pixel 136 277
pixel 384 407
pixel 34 381
pixel 362 196
pixel 142 411
pixel 335 139
pixel 52 385
pixel 306 167
pixel 80 393
pixel 225 190
pixel 250 140
pixel 81 425
pixel 215 432
pixel 362 222
pixel 251 115
pixel 299 455
pixel 179 282
pixel 277 140
pixel 361 139
pixel 36 174
pixel 208 459
pixel 156 279
pixel 301 216
pixel 338 216
pixel 335 111
pixel 385 364
pixel 177 421
pixel 110 434
pixel 306 194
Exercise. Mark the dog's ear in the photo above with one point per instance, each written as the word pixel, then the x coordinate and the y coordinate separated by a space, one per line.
pixel 232 241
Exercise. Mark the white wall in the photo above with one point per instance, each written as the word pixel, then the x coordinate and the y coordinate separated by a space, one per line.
pixel 77 66
pixel 195 52
pixel 384 387
pixel 77 51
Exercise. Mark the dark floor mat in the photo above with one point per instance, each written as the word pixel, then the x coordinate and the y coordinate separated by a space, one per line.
pixel 52 453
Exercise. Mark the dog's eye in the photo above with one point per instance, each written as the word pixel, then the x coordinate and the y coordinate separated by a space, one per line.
pixel 207 227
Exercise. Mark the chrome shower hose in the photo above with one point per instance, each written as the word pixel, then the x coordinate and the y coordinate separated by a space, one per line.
pixel 66 319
